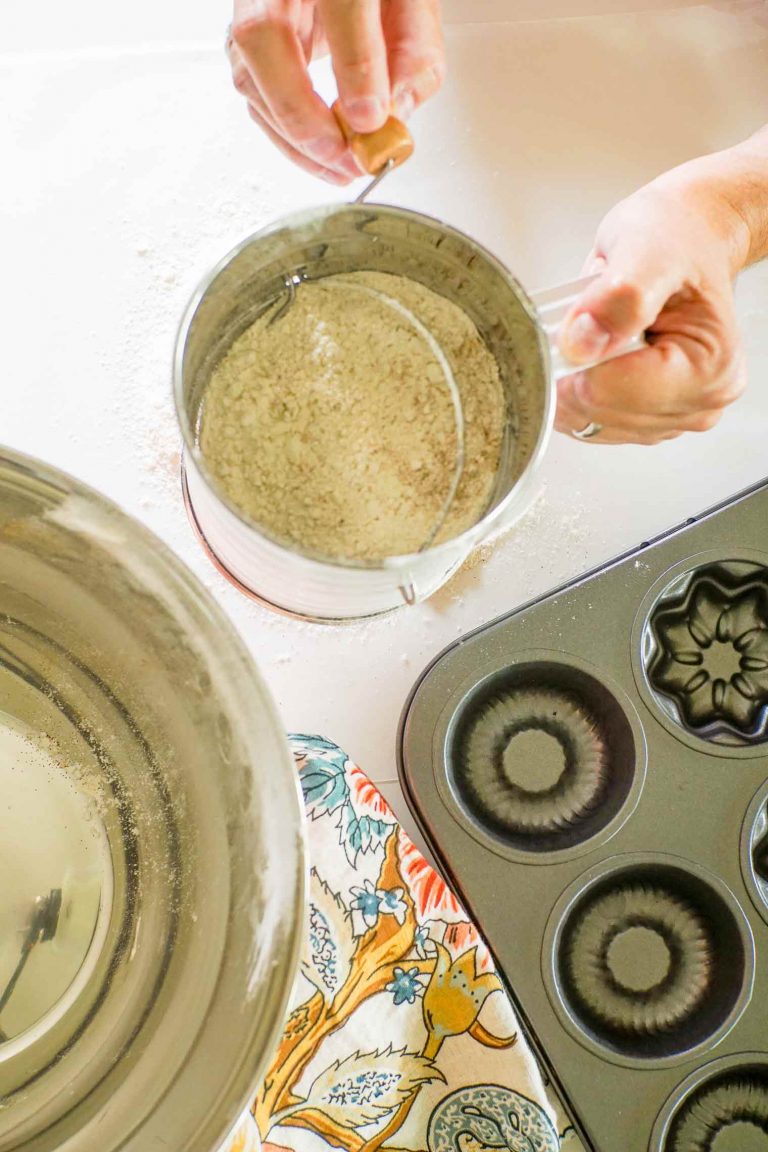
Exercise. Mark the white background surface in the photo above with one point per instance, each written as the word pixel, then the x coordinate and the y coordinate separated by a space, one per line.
pixel 130 166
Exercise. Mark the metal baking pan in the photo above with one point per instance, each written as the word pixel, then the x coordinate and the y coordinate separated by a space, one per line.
pixel 591 774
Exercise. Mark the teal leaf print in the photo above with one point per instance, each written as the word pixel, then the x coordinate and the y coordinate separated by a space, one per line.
pixel 324 787
pixel 360 834
pixel 322 774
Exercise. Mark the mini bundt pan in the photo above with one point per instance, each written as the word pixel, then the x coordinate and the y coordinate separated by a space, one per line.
pixel 707 653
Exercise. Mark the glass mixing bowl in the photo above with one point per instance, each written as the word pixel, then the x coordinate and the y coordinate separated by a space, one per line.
pixel 151 838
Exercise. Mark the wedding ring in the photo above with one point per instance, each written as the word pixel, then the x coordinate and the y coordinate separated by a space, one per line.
pixel 588 432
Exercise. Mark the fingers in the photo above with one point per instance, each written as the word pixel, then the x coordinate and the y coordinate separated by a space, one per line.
pixel 260 114
pixel 383 58
pixel 609 437
pixel 634 283
pixel 301 161
pixel 266 46
pixel 355 38
pixel 618 427
pixel 662 269
pixel 415 52
pixel 593 263
pixel 667 379
pixel 614 438
pixel 646 397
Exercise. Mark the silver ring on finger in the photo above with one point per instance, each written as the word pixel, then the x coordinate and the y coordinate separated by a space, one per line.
pixel 228 38
pixel 588 432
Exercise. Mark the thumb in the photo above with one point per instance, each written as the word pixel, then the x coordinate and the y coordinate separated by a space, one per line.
pixel 621 302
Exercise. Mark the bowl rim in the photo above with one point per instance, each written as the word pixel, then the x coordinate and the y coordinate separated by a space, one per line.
pixel 232 1092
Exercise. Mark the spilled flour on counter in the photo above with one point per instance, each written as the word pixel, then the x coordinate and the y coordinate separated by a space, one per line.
pixel 334 428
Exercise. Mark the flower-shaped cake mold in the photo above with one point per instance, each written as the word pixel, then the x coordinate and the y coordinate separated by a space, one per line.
pixel 709 653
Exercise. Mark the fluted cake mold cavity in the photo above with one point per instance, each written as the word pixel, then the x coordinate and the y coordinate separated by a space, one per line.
pixel 543 757
pixel 640 960
pixel 706 652
pixel 650 960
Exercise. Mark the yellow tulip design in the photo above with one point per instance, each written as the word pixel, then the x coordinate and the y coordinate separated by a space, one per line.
pixel 456 994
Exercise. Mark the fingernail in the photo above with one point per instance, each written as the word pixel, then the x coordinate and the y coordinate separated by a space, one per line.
pixel 334 177
pixel 584 338
pixel 324 150
pixel 366 113
pixel 403 103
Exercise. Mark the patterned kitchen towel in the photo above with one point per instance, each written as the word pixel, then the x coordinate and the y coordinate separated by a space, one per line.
pixel 400 1035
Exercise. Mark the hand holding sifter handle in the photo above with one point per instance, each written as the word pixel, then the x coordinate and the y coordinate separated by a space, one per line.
pixel 552 305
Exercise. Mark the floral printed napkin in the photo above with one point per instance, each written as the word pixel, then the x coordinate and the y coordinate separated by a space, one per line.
pixel 400 1035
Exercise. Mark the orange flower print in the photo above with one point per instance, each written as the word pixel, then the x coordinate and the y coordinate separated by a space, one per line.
pixel 431 896
pixel 365 796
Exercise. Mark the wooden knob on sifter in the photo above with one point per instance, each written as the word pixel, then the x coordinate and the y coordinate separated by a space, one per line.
pixel 374 150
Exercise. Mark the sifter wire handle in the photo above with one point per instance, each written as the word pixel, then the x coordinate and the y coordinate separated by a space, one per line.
pixel 552 306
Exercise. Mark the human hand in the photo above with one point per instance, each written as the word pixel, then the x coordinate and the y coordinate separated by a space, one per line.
pixel 667 257
pixel 387 57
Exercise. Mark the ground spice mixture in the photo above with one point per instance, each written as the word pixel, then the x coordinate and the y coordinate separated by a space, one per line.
pixel 334 429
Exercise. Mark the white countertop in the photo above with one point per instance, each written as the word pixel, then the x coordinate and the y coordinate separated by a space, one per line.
pixel 130 166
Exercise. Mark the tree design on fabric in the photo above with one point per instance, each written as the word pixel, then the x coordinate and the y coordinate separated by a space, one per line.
pixel 365 943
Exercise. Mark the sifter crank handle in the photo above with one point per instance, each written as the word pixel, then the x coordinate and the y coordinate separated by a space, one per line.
pixel 386 148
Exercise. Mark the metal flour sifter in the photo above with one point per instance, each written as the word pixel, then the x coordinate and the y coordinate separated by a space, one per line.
pixel 264 272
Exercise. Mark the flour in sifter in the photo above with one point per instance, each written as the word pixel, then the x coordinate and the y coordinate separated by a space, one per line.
pixel 333 429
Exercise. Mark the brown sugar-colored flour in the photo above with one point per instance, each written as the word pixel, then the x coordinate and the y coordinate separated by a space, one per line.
pixel 334 429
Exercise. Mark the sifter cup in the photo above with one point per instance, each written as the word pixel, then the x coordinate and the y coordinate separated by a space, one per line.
pixel 518 327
